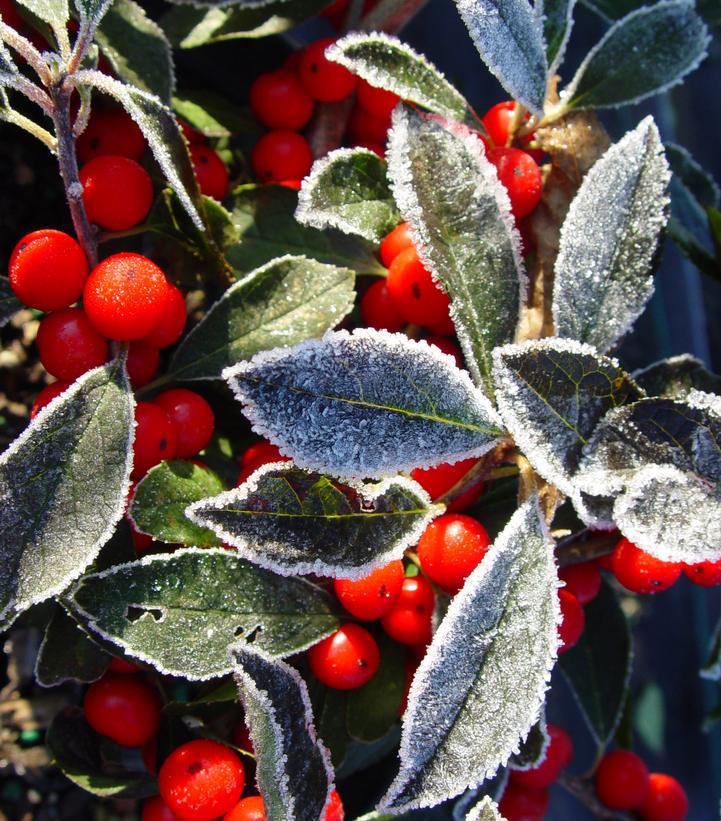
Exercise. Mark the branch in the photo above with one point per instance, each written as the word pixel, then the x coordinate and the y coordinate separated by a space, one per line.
pixel 583 790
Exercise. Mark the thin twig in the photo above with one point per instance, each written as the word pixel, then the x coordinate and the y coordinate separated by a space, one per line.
pixel 583 790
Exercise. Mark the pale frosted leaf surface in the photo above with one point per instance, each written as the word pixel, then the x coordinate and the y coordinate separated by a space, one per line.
pixel 533 748
pixel 8 71
pixel 647 52
pixel 348 189
pixel 293 767
pixel 552 394
pixel 557 25
pixel 711 669
pixel 480 687
pixel 449 192
pixel 294 522
pixel 365 404
pixel 162 495
pixel 603 276
pixel 67 653
pixel 676 377
pixel 282 303
pixel 386 62
pixel 55 13
pixel 485 810
pixel 509 38
pixel 9 303
pixel 180 612
pixel 63 484
pixel 91 12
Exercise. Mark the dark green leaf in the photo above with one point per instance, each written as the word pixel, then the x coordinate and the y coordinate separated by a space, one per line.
pixel 55 13
pixel 211 114
pixel 649 717
pixel 557 25
pixel 699 182
pixel 9 303
pixel 676 377
pixel 67 653
pixel 533 748
pixel 711 669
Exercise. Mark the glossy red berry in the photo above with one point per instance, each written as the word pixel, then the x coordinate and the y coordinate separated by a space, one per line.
pixel 583 580
pixel 450 548
pixel 666 799
pixel 521 803
pixel 409 620
pixel 201 780
pixel 376 101
pixel 573 620
pixel 558 756
pixel 69 345
pixel 125 296
pixel 294 185
pixel 46 396
pixel 123 708
pixel 373 596
pixel 210 170
pixel 172 321
pixel 641 572
pixel 192 418
pixel 413 290
pixel 155 438
pixel 281 155
pixel 241 737
pixel 248 809
pixel 498 120
pixel 448 347
pixel 118 665
pixel 365 128
pixel 443 328
pixel 278 100
pixel 398 240
pixel 334 809
pixel 110 132
pixel 378 308
pixel 521 177
pixel 143 362
pixel 117 192
pixel 438 480
pixel 324 81
pixel 257 455
pixel 47 270
pixel 622 780
pixel 345 660
pixel 155 809
pixel 705 574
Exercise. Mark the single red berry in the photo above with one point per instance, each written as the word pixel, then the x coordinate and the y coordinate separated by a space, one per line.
pixel 498 120
pixel 641 572
pixel 376 101
pixel 378 309
pixel 666 799
pixel 118 665
pixel 210 170
pixel 192 418
pixel 345 660
pixel 521 177
pixel 373 596
pixel 413 290
pixel 324 81
pixel 281 155
pixel 155 809
pixel 294 185
pixel 573 620
pixel 558 755
pixel 292 61
pixel 365 128
pixel 443 328
pixel 192 135
pixel 201 780
pixel 46 396
pixel 438 480
pixel 172 321
pixel 409 620
pixel 69 345
pixel 117 192
pixel 583 580
pixel 125 296
pixel 520 803
pixel 143 362
pixel 155 438
pixel 248 809
pixel 123 708
pixel 705 574
pixel 622 780
pixel 447 346
pixel 47 270
pixel 334 809
pixel 398 240
pixel 450 548
pixel 110 131
pixel 257 455
pixel 278 100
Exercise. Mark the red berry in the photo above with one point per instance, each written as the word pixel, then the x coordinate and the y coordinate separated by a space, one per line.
pixel 376 101
pixel 155 809
pixel 10 15
pixel 201 780
pixel 413 290
pixel 378 310
pixel 409 620
pixel 498 120
pixel 192 418
pixel 705 574
pixel 294 185
pixel 583 580
pixel 621 780
pixel 69 345
pixel 172 321
pixel 118 665
pixel 345 660
pixel 665 800
pixel 451 547
pixel 443 328
pixel 210 170
pixel 440 479
pixel 334 808
pixel 123 708
pixel 155 438
pixel 398 240
pixel 373 596
pixel 117 192
pixel 143 362
pixel 249 809
pixel 110 132
pixel 278 100
pixel 46 396
pixel 573 620
pixel 192 135
pixel 241 737
pixel 521 803
pixel 641 572
pixel 365 128
pixel 558 755
pixel 47 270
pixel 444 344
pixel 262 453
pixel 521 177
pixel 281 155
pixel 323 80
pixel 125 296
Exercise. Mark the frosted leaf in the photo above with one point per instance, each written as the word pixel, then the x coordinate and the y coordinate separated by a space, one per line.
pixel 294 522
pixel 509 38
pixel 551 394
pixel 161 497
pixel 293 767
pixel 365 404
pixel 386 62
pixel 711 669
pixel 485 810
pixel 63 485
pixel 285 302
pixel 67 653
pixel 603 276
pixel 8 72
pixel 557 25
pixel 9 303
pixel 675 377
pixel 481 685
pixel 533 748
pixel 179 612
pixel 492 788
pixel 348 189
pixel 53 12
pixel 91 12
pixel 460 214
pixel 696 179
pixel 650 50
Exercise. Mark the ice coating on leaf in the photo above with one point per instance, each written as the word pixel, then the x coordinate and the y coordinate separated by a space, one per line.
pixel 91 12
pixel 492 788
pixel 364 404
pixel 509 38
pixel 704 400
pixel 386 62
pixel 603 276
pixel 480 687
pixel 485 810
pixel 63 486
pixel 8 72
pixel 294 772
pixel 647 52
pixel 53 12
pixel 295 523
pixel 179 612
pixel 557 21
pixel 67 653
pixel 533 748
pixel 460 214
pixel 676 377
pixel 348 189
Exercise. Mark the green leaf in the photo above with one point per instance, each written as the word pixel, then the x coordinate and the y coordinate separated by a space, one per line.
pixel 63 484
pixel 295 523
pixel 485 810
pixel 160 499
pixel 676 377
pixel 212 114
pixel 9 303
pixel 699 182
pixel 598 667
pixel 449 192
pixel 533 748
pixel 55 13
pixel 647 52
pixel 473 701
pixel 180 612
pixel 557 25
pixel 67 653
pixel 284 302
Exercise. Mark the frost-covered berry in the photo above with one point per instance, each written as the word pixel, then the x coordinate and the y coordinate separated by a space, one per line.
pixel 373 596
pixel 450 548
